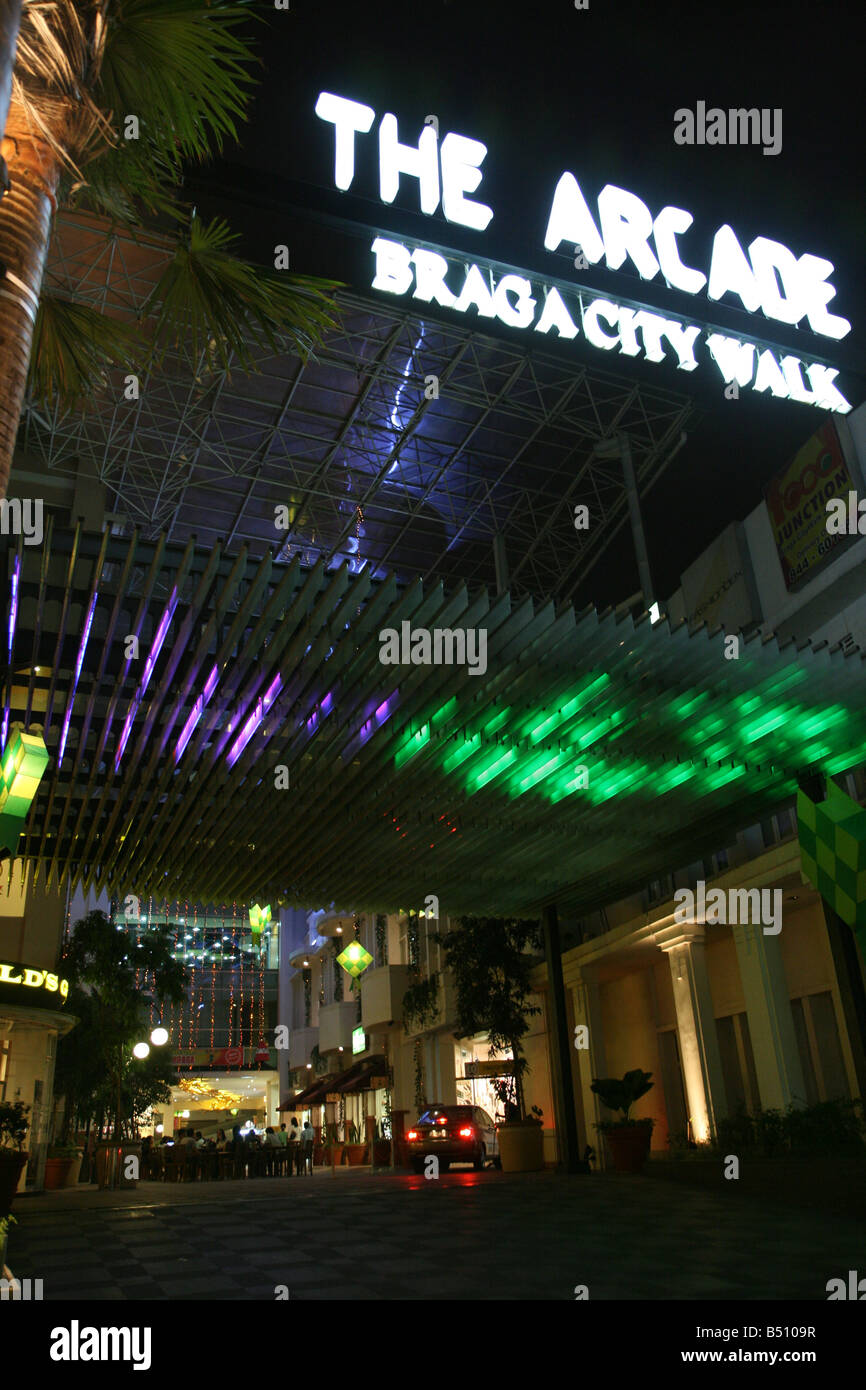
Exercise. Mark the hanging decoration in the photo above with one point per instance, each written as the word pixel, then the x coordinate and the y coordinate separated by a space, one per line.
pixel 355 959
pixel 260 917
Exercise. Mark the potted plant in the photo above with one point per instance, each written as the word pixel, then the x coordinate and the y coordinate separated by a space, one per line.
pixel 490 959
pixel 59 1164
pixel 5 1223
pixel 13 1157
pixel 356 1149
pixel 628 1141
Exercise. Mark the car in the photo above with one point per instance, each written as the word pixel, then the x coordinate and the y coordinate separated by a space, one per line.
pixel 453 1134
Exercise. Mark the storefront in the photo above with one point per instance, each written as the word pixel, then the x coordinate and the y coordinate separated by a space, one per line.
pixel 31 1021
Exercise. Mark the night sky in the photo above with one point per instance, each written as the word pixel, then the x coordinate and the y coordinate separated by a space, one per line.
pixel 548 88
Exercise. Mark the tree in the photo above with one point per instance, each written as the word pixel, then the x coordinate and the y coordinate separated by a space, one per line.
pixel 103 961
pixel 488 958
pixel 111 99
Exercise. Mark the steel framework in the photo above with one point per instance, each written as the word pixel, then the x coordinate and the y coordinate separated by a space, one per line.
pixel 371 469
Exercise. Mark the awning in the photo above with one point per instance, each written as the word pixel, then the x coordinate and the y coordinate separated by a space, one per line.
pixel 310 1095
pixel 357 1077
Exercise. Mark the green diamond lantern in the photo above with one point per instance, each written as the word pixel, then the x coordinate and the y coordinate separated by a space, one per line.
pixel 259 917
pixel 24 760
pixel 832 837
pixel 354 959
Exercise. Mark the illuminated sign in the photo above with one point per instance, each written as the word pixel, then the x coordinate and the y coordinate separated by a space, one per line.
pixel 359 1040
pixel 765 276
pixel 44 988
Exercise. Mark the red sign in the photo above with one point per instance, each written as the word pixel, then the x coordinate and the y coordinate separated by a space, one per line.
pixel 230 1057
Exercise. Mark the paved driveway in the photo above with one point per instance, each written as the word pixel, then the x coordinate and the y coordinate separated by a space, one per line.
pixel 471 1236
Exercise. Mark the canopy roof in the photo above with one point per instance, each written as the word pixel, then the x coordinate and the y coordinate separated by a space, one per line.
pixel 403 780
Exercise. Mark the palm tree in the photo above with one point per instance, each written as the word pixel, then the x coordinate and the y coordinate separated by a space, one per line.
pixel 110 100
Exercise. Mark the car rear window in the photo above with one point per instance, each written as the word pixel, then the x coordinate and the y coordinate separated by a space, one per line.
pixel 451 1112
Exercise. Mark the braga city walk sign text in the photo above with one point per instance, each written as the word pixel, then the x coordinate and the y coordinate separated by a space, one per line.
pixel 770 278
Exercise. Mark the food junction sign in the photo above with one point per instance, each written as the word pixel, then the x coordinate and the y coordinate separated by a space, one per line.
pixel 766 277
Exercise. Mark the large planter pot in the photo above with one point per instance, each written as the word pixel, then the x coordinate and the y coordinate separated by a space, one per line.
pixel 521 1147
pixel 318 1155
pixel 629 1145
pixel 75 1169
pixel 57 1172
pixel 110 1164
pixel 356 1154
pixel 382 1153
pixel 11 1164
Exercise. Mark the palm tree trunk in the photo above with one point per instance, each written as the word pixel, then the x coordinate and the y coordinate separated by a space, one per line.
pixel 25 230
pixel 10 21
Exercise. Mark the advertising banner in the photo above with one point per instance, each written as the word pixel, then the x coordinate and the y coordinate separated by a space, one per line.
pixel 219 1058
pixel 718 588
pixel 797 505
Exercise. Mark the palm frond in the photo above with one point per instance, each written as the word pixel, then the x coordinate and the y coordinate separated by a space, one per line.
pixel 74 349
pixel 226 305
pixel 57 60
pixel 182 68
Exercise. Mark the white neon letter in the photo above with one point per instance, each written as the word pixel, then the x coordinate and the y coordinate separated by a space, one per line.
pixel 555 315
pixel 393 266
pixel 396 159
pixel 626 226
pixel 521 314
pixel 734 359
pixel 814 271
pixel 346 117
pixel 461 158
pixel 767 257
pixel 730 270
pixel 571 220
pixel 430 272
pixel 669 224
pixel 600 308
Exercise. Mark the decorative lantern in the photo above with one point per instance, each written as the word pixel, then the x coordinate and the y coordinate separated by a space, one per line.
pixel 259 918
pixel 25 758
pixel 355 959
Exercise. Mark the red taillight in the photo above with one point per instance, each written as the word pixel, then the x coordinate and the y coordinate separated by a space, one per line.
pixel 441 1120
pixel 467 1132
pixel 413 1134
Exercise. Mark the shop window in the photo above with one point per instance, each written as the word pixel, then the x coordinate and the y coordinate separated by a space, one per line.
pixel 820 1051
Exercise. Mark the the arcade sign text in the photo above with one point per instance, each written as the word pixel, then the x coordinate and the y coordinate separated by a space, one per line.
pixel 766 277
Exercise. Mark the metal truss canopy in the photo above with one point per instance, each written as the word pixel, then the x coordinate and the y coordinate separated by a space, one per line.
pixel 372 469
pixel 258 748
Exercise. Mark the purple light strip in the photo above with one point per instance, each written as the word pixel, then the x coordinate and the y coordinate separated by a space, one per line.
pixel 82 648
pixel 254 720
pixel 13 616
pixel 148 672
pixel 378 717
pixel 196 714
pixel 324 708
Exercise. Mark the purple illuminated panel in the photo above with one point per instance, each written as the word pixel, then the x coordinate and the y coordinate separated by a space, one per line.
pixel 13 616
pixel 155 650
pixel 378 717
pixel 254 720
pixel 196 714
pixel 82 648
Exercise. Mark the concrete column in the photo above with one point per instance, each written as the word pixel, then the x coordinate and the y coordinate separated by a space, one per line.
pixel 591 1060
pixel 771 1022
pixel 696 1026
pixel 447 1078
